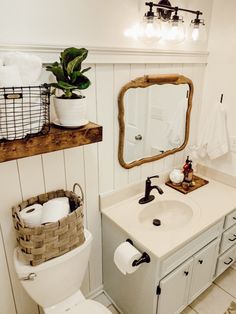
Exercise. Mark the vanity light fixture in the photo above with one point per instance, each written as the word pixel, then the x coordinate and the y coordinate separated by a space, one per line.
pixel 167 24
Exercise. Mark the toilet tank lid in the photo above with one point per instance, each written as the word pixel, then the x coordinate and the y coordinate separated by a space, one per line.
pixel 23 268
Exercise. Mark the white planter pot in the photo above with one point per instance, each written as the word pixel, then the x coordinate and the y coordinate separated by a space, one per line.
pixel 71 112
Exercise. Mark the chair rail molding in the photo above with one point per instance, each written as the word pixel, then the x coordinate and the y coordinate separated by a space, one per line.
pixel 112 55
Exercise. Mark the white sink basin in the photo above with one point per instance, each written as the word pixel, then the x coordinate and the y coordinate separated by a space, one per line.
pixel 173 214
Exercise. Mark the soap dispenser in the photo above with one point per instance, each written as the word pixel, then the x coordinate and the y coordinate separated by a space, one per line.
pixel 188 171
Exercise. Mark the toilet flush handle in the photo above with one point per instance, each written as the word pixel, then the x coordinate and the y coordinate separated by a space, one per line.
pixel 31 277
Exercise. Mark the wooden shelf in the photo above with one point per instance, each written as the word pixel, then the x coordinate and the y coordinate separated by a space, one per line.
pixel 58 138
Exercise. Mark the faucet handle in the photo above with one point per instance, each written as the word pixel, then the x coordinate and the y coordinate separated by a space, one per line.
pixel 156 176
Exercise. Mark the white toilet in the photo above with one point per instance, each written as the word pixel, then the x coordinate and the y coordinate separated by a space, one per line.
pixel 55 284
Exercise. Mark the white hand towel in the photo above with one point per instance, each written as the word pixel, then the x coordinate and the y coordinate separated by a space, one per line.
pixel 12 124
pixel 176 126
pixel 29 65
pixel 10 76
pixel 214 136
pixel 1 62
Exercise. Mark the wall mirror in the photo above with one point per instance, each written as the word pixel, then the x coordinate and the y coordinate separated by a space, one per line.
pixel 154 118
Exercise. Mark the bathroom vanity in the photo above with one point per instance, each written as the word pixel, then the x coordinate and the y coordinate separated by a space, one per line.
pixel 195 243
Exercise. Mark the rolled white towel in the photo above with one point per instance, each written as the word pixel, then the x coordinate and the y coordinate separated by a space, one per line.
pixel 29 65
pixel 12 123
pixel 10 76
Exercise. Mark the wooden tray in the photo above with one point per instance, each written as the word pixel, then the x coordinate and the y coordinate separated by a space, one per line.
pixel 198 183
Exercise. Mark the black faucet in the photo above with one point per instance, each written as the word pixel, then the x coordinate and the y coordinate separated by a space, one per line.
pixel 148 188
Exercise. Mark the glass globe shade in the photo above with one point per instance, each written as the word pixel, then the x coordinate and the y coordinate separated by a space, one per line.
pixel 151 29
pixel 197 32
pixel 175 32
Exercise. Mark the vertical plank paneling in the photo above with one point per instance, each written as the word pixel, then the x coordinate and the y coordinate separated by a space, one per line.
pixel 54 171
pixel 6 296
pixel 104 90
pixel 10 194
pixel 121 77
pixel 93 214
pixel 31 176
pixel 91 191
pixel 75 173
pixel 74 167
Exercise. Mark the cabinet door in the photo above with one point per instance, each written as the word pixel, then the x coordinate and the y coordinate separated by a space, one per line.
pixel 204 263
pixel 174 289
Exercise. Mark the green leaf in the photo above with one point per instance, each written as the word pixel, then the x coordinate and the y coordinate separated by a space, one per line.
pixel 57 71
pixel 74 76
pixel 71 53
pixel 74 65
pixel 66 86
pixel 82 82
pixel 85 70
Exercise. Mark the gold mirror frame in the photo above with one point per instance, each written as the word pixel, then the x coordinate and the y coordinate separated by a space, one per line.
pixel 142 82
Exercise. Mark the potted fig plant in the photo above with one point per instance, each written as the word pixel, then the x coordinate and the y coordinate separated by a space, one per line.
pixel 69 103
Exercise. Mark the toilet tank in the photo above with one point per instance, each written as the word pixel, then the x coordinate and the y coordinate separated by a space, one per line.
pixel 56 279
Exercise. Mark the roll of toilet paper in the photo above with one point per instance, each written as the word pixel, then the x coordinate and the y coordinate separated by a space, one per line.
pixel 124 256
pixel 64 200
pixel 54 210
pixel 32 215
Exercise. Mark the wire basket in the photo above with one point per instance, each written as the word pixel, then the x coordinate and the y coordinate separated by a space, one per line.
pixel 24 111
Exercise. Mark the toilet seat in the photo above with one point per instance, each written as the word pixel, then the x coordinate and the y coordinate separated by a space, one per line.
pixel 89 307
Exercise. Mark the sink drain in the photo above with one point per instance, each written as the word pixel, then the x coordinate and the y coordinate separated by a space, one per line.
pixel 156 222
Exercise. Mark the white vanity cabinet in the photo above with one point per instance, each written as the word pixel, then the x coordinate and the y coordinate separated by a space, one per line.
pixel 163 286
pixel 188 280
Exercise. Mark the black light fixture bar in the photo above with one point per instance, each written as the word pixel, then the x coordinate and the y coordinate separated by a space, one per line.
pixel 170 8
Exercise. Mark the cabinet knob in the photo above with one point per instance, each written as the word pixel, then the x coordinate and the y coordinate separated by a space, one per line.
pixel 200 261
pixel 186 273
pixel 233 238
pixel 230 261
pixel 138 137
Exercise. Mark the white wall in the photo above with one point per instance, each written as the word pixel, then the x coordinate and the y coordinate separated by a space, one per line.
pixel 96 167
pixel 82 22
pixel 220 75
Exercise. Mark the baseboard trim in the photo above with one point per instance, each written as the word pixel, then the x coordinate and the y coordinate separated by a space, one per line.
pixel 93 294
pixel 112 302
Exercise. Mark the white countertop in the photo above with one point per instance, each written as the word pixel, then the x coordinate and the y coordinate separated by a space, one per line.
pixel 210 203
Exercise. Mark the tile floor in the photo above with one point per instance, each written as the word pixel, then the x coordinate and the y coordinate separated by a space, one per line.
pixel 215 300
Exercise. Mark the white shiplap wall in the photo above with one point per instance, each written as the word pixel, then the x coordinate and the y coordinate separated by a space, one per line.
pixel 94 166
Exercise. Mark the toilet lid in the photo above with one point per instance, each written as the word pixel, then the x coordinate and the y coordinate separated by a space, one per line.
pixel 89 307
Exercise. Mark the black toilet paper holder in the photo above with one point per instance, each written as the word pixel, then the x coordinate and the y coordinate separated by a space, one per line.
pixel 145 258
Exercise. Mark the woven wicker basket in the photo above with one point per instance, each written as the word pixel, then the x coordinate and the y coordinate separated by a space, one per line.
pixel 42 243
